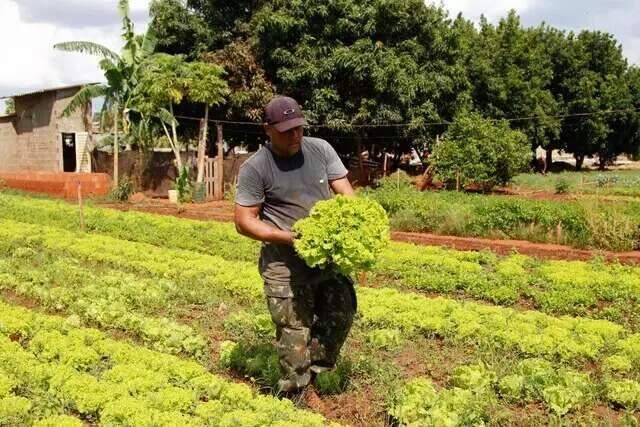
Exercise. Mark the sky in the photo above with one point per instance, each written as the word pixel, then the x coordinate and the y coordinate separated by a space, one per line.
pixel 30 28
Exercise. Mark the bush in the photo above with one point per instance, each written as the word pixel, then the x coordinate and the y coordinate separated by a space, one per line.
pixel 184 186
pixel 123 190
pixel 562 186
pixel 346 232
pixel 479 152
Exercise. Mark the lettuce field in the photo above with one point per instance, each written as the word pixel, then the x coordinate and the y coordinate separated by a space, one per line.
pixel 145 320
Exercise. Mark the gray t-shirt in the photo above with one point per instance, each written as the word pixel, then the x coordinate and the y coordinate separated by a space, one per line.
pixel 287 188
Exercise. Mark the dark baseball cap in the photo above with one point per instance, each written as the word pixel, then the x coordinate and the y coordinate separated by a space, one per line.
pixel 284 113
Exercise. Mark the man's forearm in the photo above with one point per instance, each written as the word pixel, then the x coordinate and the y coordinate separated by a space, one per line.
pixel 256 229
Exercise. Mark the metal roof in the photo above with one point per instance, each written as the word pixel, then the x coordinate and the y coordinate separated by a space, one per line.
pixel 43 90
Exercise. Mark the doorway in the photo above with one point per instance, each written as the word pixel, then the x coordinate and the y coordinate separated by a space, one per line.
pixel 69 152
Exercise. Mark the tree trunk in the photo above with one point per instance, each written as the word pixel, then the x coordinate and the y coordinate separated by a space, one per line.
pixel 579 161
pixel 602 162
pixel 548 160
pixel 202 145
pixel 176 147
pixel 218 186
pixel 116 147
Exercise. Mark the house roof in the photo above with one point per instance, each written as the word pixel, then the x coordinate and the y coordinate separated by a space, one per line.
pixel 43 90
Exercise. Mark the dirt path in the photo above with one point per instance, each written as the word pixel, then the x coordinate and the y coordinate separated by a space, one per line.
pixel 539 250
pixel 223 211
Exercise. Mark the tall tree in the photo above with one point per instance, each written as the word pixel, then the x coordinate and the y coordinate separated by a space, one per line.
pixel 511 73
pixel 391 61
pixel 122 73
pixel 180 29
pixel 206 86
pixel 595 82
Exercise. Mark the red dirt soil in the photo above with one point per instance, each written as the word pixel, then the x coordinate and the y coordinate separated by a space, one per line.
pixel 223 211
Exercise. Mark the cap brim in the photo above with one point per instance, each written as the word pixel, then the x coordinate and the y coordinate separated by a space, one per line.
pixel 290 124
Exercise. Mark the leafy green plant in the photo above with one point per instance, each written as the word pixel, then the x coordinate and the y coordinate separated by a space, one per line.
pixel 385 339
pixel 183 185
pixel 562 186
pixel 336 380
pixel 123 190
pixel 625 393
pixel 346 232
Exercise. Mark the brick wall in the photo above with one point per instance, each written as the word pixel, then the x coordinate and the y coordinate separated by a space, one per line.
pixel 58 184
pixel 32 138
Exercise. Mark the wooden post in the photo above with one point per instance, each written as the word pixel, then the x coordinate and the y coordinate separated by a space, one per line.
pixel 116 148
pixel 360 164
pixel 218 189
pixel 384 163
pixel 559 233
pixel 458 181
pixel 80 206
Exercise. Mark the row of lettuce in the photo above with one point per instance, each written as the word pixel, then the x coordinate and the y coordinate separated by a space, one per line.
pixel 604 291
pixel 53 372
pixel 386 313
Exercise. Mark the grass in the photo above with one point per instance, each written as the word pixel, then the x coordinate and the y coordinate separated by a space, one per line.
pixel 585 223
pixel 609 183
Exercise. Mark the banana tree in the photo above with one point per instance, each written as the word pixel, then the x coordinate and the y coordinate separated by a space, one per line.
pixel 121 72
pixel 205 85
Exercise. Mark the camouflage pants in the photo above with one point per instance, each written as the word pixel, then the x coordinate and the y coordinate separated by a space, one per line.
pixel 312 325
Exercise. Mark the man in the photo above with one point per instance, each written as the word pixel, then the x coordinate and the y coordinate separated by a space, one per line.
pixel 312 309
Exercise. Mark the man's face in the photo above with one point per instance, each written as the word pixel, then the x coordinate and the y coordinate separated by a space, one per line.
pixel 286 143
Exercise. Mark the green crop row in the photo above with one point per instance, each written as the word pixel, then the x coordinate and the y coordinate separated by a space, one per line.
pixel 221 240
pixel 474 388
pixel 596 289
pixel 194 271
pixel 583 224
pixel 529 332
pixel 112 300
pixel 49 366
pixel 577 288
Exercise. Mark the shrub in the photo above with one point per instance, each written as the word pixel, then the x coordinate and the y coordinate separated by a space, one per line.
pixel 335 381
pixel 184 186
pixel 477 151
pixel 123 190
pixel 346 232
pixel 562 186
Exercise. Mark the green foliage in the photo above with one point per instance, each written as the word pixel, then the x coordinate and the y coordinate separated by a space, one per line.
pixel 584 224
pixel 562 186
pixel 131 385
pixel 377 62
pixel 59 421
pixel 179 30
pixel 257 362
pixel 123 190
pixel 9 106
pixel 336 380
pixel 477 151
pixel 625 393
pixel 184 187
pixel 207 238
pixel 419 404
pixel 345 232
pixel 473 377
pixel 385 339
